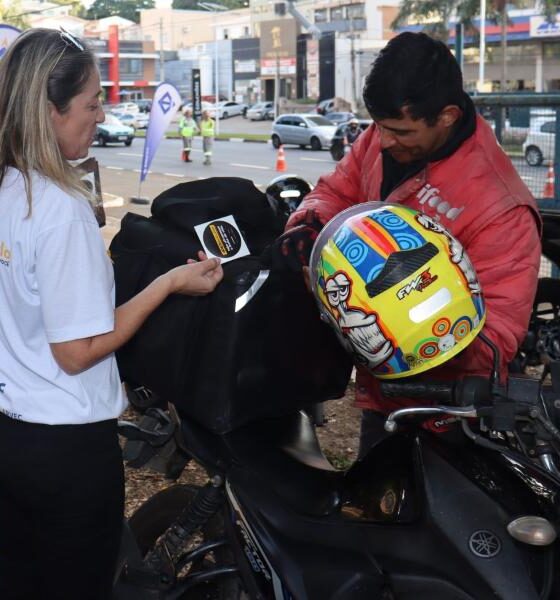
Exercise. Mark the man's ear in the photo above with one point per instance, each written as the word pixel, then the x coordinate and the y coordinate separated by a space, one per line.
pixel 450 115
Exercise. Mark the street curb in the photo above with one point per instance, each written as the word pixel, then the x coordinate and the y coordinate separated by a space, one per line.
pixel 219 139
pixel 242 140
pixel 112 201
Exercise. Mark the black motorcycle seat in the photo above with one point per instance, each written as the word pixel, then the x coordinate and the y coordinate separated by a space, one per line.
pixel 283 455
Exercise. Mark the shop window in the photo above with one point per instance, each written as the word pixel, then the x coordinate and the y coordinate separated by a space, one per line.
pixel 355 11
pixel 337 13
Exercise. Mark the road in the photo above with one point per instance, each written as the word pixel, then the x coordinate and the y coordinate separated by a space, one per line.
pixel 255 161
pixel 120 167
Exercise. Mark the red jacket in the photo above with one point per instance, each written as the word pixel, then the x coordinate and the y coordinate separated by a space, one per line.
pixel 477 194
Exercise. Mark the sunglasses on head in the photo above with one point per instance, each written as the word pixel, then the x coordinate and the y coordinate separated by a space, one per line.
pixel 70 40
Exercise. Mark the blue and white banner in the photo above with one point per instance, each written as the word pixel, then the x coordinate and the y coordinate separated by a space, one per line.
pixel 165 104
pixel 7 35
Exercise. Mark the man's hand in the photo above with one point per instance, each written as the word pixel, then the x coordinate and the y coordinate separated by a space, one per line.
pixel 293 248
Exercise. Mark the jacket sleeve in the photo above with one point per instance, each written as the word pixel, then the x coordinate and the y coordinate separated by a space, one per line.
pixel 506 255
pixel 340 189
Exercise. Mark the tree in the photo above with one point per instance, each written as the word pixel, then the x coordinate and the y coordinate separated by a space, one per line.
pixel 11 13
pixel 193 4
pixel 78 9
pixel 127 9
pixel 437 15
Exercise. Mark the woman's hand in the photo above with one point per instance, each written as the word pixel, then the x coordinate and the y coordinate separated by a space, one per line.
pixel 196 278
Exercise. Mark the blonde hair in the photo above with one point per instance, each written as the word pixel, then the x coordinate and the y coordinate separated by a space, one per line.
pixel 42 68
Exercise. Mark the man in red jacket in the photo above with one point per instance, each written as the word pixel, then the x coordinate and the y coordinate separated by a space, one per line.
pixel 429 150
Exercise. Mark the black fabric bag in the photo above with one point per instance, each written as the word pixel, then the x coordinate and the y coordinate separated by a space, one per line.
pixel 255 347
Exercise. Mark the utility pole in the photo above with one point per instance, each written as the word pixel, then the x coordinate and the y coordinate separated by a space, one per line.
pixel 215 8
pixel 353 66
pixel 161 57
pixel 482 46
pixel 216 76
pixel 277 86
pixel 503 23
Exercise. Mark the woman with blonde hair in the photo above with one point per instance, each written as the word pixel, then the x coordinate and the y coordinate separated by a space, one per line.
pixel 61 477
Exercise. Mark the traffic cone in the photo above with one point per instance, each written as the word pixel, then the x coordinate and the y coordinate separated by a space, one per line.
pixel 281 160
pixel 548 191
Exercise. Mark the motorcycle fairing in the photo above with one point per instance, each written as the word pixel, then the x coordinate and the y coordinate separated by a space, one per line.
pixel 428 554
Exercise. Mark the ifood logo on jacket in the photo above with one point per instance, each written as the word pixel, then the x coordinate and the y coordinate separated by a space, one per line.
pixel 429 196
pixel 5 254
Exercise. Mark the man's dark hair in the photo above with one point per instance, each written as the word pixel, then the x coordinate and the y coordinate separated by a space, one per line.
pixel 415 71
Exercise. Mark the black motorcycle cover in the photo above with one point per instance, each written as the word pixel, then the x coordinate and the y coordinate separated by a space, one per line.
pixel 253 348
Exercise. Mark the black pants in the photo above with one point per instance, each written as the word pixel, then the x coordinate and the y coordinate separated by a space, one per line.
pixel 61 510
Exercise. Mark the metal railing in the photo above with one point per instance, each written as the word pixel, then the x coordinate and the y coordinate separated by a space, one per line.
pixel 526 125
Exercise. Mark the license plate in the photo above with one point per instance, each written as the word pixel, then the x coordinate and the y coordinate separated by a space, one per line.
pixel 122 137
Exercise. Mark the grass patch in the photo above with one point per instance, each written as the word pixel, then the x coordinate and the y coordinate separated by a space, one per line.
pixel 260 137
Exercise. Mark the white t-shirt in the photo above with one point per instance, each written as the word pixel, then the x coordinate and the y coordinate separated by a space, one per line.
pixel 56 285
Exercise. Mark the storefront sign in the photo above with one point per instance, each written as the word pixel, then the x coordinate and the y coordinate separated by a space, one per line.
pixel 540 27
pixel 278 41
pixel 312 68
pixel 284 66
pixel 245 66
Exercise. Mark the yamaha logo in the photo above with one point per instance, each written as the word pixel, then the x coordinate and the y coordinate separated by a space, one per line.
pixel 485 544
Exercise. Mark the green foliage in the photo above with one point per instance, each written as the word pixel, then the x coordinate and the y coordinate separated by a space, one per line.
pixel 127 9
pixel 437 13
pixel 193 4
pixel 78 9
pixel 11 13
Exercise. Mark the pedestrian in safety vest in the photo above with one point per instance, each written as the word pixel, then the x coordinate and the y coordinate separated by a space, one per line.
pixel 187 129
pixel 207 132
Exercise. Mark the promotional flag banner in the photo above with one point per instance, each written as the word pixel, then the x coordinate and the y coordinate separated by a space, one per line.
pixel 7 35
pixel 165 104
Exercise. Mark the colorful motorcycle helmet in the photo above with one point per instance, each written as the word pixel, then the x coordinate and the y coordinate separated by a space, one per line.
pixel 286 192
pixel 397 287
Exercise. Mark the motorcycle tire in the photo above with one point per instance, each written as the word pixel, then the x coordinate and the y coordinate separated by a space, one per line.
pixel 157 514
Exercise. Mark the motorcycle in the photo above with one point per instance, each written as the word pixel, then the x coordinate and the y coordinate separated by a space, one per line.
pixel 542 343
pixel 419 517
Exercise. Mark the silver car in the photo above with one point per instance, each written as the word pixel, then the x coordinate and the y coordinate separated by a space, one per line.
pixel 260 111
pixel 303 129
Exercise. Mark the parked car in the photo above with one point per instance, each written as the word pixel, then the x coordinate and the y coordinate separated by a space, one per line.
pixel 227 109
pixel 144 104
pixel 337 144
pixel 261 111
pixel 325 106
pixel 336 118
pixel 204 105
pixel 113 131
pixel 539 143
pixel 138 121
pixel 303 129
pixel 126 107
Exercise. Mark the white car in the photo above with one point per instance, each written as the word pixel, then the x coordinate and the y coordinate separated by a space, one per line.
pixel 227 109
pixel 203 106
pixel 126 107
pixel 138 121
pixel 539 144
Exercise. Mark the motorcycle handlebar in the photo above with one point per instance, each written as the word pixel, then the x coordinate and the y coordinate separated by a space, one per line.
pixel 436 391
pixel 470 391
